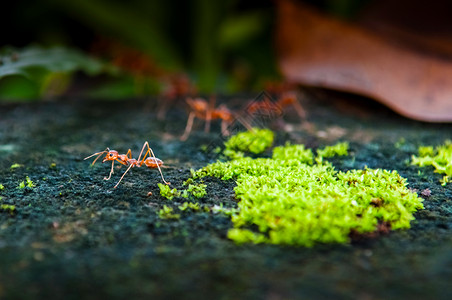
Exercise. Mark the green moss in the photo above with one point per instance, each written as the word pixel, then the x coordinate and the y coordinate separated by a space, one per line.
pixel 2 187
pixel 189 180
pixel 295 152
pixel 219 209
pixel 188 205
pixel 400 143
pixel 30 183
pixel 26 183
pixel 167 192
pixel 254 141
pixel 168 213
pixel 8 208
pixel 340 149
pixel 440 158
pixel 15 166
pixel 291 200
pixel 445 180
pixel 197 190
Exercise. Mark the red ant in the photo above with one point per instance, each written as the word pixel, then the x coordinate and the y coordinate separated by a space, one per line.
pixel 127 160
pixel 177 86
pixel 207 111
pixel 269 107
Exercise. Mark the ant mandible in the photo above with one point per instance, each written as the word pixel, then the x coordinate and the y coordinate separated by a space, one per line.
pixel 149 161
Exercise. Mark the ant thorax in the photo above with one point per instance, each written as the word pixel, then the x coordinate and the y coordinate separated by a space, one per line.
pixel 124 158
pixel 133 162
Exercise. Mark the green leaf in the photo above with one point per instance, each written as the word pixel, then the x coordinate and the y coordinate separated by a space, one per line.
pixel 33 61
pixel 18 87
pixel 36 72
pixel 239 29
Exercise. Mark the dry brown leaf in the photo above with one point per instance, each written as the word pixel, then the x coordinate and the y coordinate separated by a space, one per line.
pixel 319 51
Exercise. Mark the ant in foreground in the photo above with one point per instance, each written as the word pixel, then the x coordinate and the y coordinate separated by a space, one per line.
pixel 151 162
pixel 203 110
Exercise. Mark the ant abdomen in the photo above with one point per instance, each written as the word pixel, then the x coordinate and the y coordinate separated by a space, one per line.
pixel 152 162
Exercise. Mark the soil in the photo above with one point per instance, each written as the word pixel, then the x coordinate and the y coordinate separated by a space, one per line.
pixel 73 236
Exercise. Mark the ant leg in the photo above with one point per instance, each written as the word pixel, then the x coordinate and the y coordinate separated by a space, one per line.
pixel 129 154
pixel 111 171
pixel 163 108
pixel 244 122
pixel 130 166
pixel 98 155
pixel 209 113
pixel 299 109
pixel 155 160
pixel 208 120
pixel 139 160
pixel 189 126
pixel 224 128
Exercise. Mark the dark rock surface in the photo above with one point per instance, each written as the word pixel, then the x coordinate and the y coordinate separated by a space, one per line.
pixel 73 236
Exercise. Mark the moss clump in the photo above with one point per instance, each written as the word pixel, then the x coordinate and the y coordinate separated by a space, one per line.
pixel 168 213
pixel 15 166
pixel 219 209
pixel 340 149
pixel 8 208
pixel 197 190
pixel 440 158
pixel 296 152
pixel 291 200
pixel 26 183
pixel 188 205
pixel 254 141
pixel 167 192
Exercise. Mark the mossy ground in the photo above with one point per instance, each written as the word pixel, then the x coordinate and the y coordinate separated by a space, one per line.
pixel 73 236
pixel 292 201
pixel 439 157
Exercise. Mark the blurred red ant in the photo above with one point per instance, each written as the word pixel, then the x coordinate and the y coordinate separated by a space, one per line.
pixel 127 160
pixel 271 108
pixel 200 109
pixel 177 87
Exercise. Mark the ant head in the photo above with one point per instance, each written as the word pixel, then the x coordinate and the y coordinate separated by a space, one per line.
pixel 111 155
pixel 197 104
pixel 222 112
pixel 288 98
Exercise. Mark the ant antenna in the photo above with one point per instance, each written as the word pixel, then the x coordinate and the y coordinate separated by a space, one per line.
pixel 98 155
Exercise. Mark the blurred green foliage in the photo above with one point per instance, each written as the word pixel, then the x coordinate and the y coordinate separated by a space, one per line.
pixel 224 46
pixel 36 72
pixel 209 39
